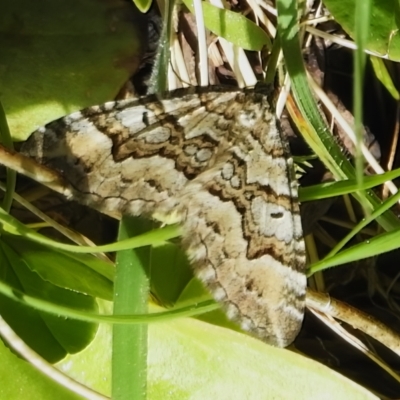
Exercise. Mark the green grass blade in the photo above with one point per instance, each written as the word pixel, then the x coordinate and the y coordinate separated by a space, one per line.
pixel 383 243
pixel 155 237
pixel 332 189
pixel 389 203
pixel 159 75
pixel 361 20
pixel 67 312
pixel 131 295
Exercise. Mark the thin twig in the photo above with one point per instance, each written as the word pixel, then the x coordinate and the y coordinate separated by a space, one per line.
pixel 354 317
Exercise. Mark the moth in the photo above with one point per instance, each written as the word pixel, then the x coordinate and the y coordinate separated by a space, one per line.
pixel 214 159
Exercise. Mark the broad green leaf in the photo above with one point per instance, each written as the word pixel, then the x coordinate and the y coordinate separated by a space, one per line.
pixel 66 270
pixel 192 359
pixel 384 27
pixel 50 335
pixel 143 5
pixel 20 380
pixel 170 272
pixel 61 56
pixel 233 27
pixel 26 322
pixel 383 75
pixel 196 292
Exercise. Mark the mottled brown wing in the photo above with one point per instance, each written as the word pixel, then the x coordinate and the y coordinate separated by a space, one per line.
pixel 215 160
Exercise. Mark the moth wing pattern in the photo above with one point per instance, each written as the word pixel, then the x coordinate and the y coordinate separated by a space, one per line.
pixel 215 159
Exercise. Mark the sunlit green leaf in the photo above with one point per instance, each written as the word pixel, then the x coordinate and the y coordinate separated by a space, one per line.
pixel 384 27
pixel 61 56
pixel 233 27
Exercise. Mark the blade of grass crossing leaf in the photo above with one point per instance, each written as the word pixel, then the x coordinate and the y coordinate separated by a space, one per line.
pixel 332 189
pixel 67 312
pixel 158 236
pixel 389 203
pixel 5 138
pixel 131 295
pixel 383 243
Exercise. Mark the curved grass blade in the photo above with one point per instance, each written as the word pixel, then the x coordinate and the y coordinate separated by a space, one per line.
pixel 156 237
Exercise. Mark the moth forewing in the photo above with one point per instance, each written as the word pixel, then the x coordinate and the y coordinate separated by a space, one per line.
pixel 216 161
